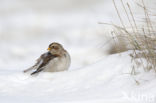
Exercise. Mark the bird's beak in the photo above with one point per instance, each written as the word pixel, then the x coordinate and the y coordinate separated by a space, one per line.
pixel 49 49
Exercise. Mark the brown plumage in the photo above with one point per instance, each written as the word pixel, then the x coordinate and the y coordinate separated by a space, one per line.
pixel 56 59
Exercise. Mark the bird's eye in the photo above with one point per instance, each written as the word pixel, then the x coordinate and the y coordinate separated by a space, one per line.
pixel 55 47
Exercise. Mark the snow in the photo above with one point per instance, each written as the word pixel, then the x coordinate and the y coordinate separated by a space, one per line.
pixel 85 84
pixel 28 27
pixel 107 80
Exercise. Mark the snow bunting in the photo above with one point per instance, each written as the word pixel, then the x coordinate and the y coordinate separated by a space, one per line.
pixel 55 60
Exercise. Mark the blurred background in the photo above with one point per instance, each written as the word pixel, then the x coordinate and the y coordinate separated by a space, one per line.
pixel 27 27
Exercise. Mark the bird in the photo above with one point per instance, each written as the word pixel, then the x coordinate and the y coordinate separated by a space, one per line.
pixel 54 60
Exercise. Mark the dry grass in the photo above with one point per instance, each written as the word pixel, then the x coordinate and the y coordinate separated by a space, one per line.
pixel 142 41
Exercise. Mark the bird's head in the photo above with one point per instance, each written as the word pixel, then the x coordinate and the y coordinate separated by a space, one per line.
pixel 56 49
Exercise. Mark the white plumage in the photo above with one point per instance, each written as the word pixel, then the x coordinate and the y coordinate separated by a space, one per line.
pixel 55 60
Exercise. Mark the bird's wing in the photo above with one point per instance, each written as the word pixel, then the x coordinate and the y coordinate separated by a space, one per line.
pixel 42 61
pixel 34 66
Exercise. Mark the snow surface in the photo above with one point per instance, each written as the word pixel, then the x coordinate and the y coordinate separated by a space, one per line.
pixel 106 81
pixel 28 26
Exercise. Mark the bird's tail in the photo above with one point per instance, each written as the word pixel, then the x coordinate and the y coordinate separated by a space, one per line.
pixel 37 71
pixel 29 69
